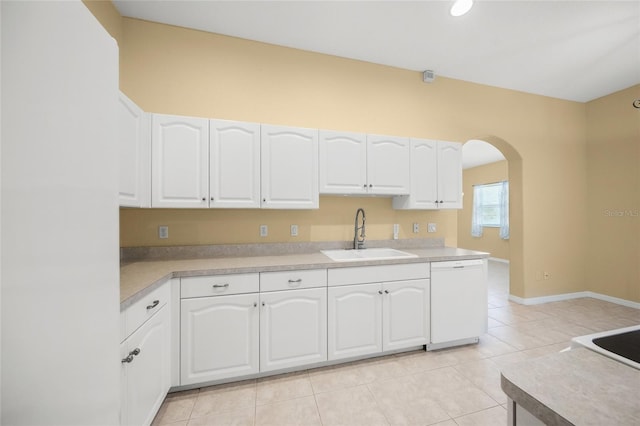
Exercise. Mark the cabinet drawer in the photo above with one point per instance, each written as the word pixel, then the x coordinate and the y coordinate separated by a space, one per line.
pixel 138 313
pixel 287 280
pixel 219 285
pixel 377 274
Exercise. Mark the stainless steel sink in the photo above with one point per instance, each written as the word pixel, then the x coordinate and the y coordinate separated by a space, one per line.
pixel 366 254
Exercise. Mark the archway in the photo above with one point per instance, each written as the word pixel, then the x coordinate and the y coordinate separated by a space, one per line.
pixel 516 248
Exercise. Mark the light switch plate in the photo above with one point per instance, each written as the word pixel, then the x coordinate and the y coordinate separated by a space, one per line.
pixel 163 231
pixel 416 228
pixel 264 230
pixel 431 227
pixel 294 230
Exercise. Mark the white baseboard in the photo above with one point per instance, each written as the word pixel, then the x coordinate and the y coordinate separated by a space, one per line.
pixel 569 296
pixel 497 259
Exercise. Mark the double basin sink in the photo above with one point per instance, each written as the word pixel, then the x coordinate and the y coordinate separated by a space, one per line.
pixel 351 255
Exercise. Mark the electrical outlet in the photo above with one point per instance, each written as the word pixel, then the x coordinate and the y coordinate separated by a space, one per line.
pixel 163 231
pixel 396 231
pixel 431 227
pixel 264 230
pixel 294 230
pixel 416 228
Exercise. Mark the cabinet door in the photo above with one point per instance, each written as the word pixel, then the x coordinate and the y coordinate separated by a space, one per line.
pixel 134 160
pixel 289 160
pixel 148 373
pixel 343 163
pixel 234 164
pixel 293 328
pixel 424 177
pixel 219 337
pixel 180 161
pixel 388 165
pixel 450 175
pixel 405 314
pixel 354 320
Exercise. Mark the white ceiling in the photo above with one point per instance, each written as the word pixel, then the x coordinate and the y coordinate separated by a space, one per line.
pixel 575 50
pixel 477 153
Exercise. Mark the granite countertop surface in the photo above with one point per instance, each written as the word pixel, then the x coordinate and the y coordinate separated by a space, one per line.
pixel 140 277
pixel 578 387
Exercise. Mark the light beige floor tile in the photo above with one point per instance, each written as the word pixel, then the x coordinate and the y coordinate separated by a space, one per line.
pixel 490 417
pixel 301 411
pixel 457 395
pixel 381 369
pixel 238 417
pixel 219 399
pixel 351 406
pixel 446 423
pixel 337 377
pixel 403 403
pixel 283 387
pixel 425 361
pixel 490 346
pixel 485 375
pixel 176 407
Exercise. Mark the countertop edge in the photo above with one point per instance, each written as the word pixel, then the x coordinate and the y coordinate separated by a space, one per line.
pixel 276 263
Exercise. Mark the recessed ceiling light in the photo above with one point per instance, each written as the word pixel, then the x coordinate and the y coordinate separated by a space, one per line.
pixel 460 7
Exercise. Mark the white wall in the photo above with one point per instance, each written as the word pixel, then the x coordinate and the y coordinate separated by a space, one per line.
pixel 59 233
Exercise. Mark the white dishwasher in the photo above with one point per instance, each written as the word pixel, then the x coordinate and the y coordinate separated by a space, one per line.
pixel 458 302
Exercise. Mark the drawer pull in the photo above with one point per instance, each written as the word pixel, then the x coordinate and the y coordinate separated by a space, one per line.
pixel 299 280
pixel 221 285
pixel 153 305
pixel 129 357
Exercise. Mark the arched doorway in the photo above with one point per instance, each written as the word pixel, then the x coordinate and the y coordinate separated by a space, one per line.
pixel 515 244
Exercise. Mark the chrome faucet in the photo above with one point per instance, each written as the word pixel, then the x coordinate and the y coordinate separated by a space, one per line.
pixel 358 242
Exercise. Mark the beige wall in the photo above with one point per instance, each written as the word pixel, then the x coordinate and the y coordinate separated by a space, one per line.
pixel 613 209
pixel 174 70
pixel 490 240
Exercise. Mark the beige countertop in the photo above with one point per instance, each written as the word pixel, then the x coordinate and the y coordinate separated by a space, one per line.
pixel 139 278
pixel 577 387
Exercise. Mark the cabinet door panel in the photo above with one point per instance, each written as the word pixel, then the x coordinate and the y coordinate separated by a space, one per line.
pixel 405 314
pixel 234 164
pixel 388 165
pixel 180 167
pixel 343 163
pixel 134 161
pixel 219 337
pixel 450 175
pixel 148 374
pixel 289 160
pixel 354 320
pixel 293 328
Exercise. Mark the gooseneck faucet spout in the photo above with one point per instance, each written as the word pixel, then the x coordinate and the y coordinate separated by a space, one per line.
pixel 358 241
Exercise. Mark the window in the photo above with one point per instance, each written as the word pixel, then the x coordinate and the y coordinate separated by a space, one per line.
pixel 491 208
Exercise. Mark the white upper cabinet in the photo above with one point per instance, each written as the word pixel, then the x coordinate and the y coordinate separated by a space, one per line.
pixel 388 165
pixel 234 164
pixel 180 161
pixel 449 175
pixel 436 176
pixel 134 160
pixel 343 162
pixel 289 160
pixel 359 164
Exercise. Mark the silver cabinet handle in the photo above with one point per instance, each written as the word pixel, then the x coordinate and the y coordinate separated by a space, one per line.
pixel 153 305
pixel 263 304
pixel 221 285
pixel 299 280
pixel 255 304
pixel 129 357
pixel 379 291
pixel 386 291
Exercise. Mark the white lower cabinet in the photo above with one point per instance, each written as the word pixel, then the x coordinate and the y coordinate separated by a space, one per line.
pixel 368 318
pixel 145 374
pixel 218 337
pixel 355 320
pixel 293 328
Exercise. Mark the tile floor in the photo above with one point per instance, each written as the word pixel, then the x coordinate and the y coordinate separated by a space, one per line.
pixel 459 386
